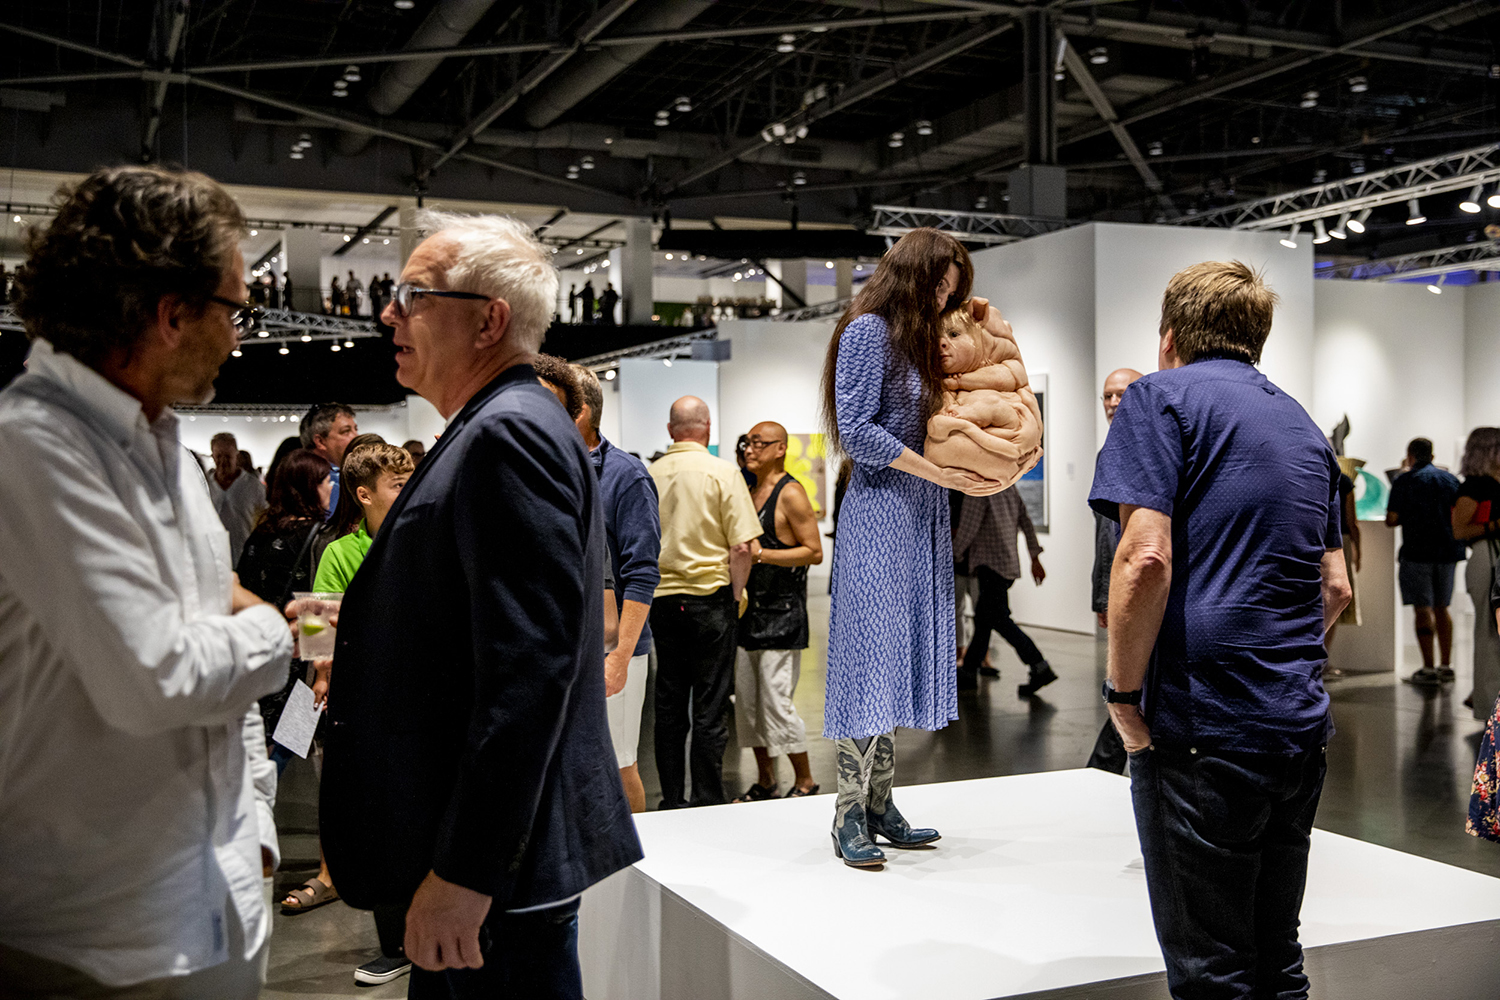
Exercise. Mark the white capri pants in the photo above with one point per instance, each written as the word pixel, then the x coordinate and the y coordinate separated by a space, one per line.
pixel 764 715
pixel 624 710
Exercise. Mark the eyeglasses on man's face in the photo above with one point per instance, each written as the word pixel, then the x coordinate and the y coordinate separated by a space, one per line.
pixel 758 443
pixel 244 315
pixel 407 293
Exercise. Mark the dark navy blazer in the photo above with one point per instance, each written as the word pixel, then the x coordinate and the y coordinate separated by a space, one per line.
pixel 468 729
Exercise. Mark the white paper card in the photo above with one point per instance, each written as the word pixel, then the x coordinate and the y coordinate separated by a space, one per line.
pixel 299 718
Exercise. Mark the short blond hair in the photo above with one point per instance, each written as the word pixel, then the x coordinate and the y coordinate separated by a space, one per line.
pixel 498 256
pixel 1218 308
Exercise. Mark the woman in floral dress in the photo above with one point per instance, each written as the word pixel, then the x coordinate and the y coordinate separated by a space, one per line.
pixel 890 639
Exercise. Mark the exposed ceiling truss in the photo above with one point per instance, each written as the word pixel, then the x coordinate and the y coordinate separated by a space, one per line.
pixel 1440 174
pixel 669 348
pixel 971 227
pixel 277 326
pixel 1479 256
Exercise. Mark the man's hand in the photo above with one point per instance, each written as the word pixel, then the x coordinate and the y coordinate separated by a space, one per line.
pixel 1131 727
pixel 1037 573
pixel 442 925
pixel 322 678
pixel 616 669
pixel 1102 617
pixel 240 598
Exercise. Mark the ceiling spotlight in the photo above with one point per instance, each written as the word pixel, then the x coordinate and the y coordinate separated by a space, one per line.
pixel 604 263
pixel 1357 166
pixel 1357 224
pixel 579 251
pixel 283 351
pixel 982 202
pixel 340 93
pixel 1414 216
pixel 787 43
pixel 307 338
pixel 405 4
pixel 702 257
pixel 1436 288
pixel 1471 203
pixel 1338 231
pixel 799 178
pixel 828 263
pixel 1493 201
pixel 667 362
pixel 386 243
pixel 683 105
pixel 609 376
pixel 1290 239
pixel 669 256
pixel 1059 76
pixel 1309 100
pixel 254 232
pixel 587 163
pixel 351 74
pixel 1099 55
pixel 335 348
pixel 924 127
pixel 236 353
pixel 1320 176
pixel 15 218
pixel 801 131
pixel 1154 149
pixel 304 139
pixel 296 154
pixel 896 140
pixel 767 136
pixel 1358 85
pixel 738 276
pixel 347 238
pixel 789 138
pixel 778 129
pixel 1320 233
pixel 348 343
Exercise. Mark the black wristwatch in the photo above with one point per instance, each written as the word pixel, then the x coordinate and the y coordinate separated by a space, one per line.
pixel 1113 697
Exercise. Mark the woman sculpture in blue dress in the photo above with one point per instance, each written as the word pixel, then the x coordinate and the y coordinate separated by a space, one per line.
pixel 890 635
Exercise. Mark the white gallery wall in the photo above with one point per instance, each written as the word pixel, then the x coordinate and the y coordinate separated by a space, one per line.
pixel 647 390
pixel 261 433
pixel 1481 353
pixel 774 373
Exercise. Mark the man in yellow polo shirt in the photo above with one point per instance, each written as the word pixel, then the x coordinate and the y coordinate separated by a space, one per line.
pixel 708 544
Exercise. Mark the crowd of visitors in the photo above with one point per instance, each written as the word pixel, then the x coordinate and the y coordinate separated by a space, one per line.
pixel 500 596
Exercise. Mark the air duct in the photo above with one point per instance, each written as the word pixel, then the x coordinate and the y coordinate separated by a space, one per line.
pixel 448 24
pixel 588 71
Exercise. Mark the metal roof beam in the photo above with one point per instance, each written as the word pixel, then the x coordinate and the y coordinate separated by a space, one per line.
pixel 367 229
pixel 972 227
pixel 1440 174
pixel 1482 256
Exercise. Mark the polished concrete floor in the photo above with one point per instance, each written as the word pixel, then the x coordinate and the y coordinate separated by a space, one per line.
pixel 1399 776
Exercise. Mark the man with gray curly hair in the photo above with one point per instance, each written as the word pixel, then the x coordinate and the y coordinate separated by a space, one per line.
pixel 468 772
pixel 135 792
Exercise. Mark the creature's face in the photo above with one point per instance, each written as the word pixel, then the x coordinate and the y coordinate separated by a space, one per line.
pixel 961 345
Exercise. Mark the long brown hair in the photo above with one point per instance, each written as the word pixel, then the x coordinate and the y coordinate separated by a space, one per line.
pixel 294 491
pixel 903 292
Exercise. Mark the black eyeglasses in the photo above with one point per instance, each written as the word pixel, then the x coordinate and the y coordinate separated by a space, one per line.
pixel 245 315
pixel 406 292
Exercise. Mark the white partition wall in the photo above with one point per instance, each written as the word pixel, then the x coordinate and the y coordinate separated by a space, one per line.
pixel 647 391
pixel 1086 301
pixel 1045 287
pixel 774 373
pixel 1481 354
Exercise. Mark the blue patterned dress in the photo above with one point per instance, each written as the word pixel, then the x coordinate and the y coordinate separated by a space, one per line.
pixel 890 634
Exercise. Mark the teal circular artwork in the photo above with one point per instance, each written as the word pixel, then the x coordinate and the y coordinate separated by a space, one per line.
pixel 1370 496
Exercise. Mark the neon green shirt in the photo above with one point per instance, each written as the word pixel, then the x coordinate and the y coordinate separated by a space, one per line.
pixel 342 557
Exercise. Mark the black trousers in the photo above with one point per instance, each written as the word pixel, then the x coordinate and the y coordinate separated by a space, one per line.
pixel 527 956
pixel 694 673
pixel 390 926
pixel 992 614
pixel 1225 839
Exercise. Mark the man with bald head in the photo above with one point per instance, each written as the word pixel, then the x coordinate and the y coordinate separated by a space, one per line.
pixel 1109 752
pixel 773 630
pixel 708 532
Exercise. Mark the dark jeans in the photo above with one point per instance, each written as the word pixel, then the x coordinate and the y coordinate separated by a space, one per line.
pixel 694 672
pixel 1225 838
pixel 527 956
pixel 992 614
pixel 390 926
pixel 1109 750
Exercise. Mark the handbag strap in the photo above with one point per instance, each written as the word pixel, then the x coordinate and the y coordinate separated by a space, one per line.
pixel 286 593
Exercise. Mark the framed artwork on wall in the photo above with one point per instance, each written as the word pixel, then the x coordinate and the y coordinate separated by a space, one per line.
pixel 1033 485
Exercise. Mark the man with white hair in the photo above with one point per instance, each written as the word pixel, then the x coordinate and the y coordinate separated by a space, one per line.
pixel 468 768
pixel 708 532
pixel 238 496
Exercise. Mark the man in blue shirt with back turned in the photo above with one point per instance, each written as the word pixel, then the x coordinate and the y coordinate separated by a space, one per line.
pixel 1229 570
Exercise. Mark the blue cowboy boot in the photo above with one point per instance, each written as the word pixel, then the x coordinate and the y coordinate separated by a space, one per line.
pixel 851 841
pixel 882 817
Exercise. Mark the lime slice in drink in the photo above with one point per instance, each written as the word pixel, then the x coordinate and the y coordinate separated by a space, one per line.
pixel 312 628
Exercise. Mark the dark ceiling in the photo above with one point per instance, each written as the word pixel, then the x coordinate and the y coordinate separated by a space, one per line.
pixel 1216 95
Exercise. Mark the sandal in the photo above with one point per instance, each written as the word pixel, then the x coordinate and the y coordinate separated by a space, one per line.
pixel 759 793
pixel 797 793
pixel 308 896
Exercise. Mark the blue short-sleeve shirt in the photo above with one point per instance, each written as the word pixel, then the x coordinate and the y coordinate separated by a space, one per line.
pixel 1423 500
pixel 1251 486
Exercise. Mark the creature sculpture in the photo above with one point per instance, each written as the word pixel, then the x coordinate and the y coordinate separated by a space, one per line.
pixel 989 423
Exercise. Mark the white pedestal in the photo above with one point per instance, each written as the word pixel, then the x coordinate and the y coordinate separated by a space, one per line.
pixel 1375 645
pixel 1036 890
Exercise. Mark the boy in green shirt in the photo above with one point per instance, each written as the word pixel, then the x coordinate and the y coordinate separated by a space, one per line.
pixel 373 476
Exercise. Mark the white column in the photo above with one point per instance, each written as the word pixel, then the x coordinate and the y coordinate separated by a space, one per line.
pixel 407 217
pixel 302 252
pixel 794 277
pixel 843 279
pixel 634 280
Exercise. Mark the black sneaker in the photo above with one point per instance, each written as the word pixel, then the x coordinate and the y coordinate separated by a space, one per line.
pixel 1425 677
pixel 1041 675
pixel 1445 674
pixel 382 970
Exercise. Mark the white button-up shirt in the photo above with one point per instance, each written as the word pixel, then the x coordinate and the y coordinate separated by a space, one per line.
pixel 134 787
